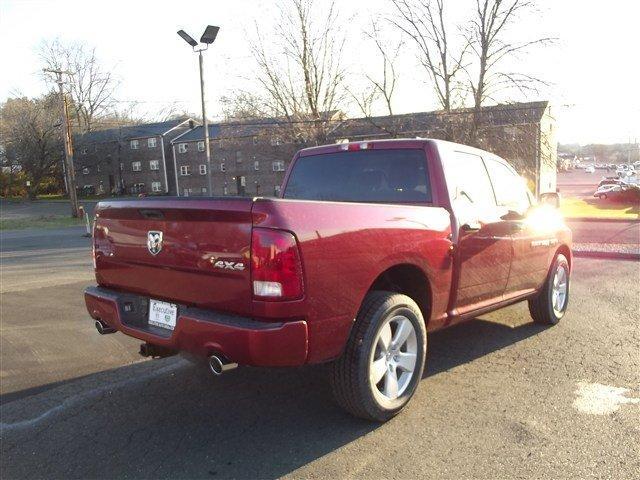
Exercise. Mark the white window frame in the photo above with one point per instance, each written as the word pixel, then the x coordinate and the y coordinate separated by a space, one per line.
pixel 85 171
pixel 201 146
pixel 185 170
pixel 223 167
pixel 134 144
pixel 182 148
pixel 256 165
pixel 152 142
pixel 203 169
pixel 136 166
pixel 278 166
pixel 156 187
pixel 154 164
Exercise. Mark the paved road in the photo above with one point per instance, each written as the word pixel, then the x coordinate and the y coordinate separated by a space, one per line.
pixel 501 398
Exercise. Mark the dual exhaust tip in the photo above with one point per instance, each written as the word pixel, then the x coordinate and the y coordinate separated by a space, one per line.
pixel 218 364
pixel 103 328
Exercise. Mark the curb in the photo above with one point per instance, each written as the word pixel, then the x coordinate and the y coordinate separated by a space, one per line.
pixel 601 219
pixel 606 255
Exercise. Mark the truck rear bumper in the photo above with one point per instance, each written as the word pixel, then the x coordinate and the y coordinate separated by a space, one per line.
pixel 203 332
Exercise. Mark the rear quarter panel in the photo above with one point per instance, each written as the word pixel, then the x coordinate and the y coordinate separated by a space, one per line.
pixel 345 247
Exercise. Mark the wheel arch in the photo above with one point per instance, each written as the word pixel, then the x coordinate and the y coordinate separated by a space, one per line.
pixel 407 279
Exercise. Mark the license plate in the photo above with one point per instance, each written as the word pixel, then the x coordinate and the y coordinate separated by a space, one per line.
pixel 162 314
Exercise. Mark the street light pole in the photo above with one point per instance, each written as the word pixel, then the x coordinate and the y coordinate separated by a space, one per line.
pixel 208 37
pixel 205 123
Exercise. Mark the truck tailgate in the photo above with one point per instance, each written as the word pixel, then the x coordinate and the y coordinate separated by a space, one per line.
pixel 194 252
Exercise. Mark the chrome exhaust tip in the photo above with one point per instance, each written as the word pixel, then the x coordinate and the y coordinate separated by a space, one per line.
pixel 219 365
pixel 103 328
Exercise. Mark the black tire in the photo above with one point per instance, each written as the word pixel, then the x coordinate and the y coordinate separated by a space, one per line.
pixel 350 373
pixel 542 307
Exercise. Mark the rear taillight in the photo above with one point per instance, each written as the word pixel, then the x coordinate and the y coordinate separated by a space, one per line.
pixel 276 268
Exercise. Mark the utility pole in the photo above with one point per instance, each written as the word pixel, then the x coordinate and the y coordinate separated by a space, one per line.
pixel 70 172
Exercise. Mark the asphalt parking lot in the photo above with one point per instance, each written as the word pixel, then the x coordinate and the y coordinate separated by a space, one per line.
pixel 501 397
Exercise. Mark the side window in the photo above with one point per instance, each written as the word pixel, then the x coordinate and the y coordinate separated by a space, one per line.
pixel 511 192
pixel 469 186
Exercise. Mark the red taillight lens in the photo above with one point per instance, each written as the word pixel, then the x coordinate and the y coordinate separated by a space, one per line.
pixel 276 269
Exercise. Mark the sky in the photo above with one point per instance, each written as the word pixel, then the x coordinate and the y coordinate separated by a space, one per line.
pixel 593 69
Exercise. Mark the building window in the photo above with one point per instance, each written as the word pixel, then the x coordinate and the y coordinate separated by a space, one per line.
pixel 85 171
pixel 138 188
pixel 151 142
pixel 186 192
pixel 156 187
pixel 185 170
pixel 204 190
pixel 276 190
pixel 225 190
pixel 256 165
pixel 220 143
pixel 203 169
pixel 278 166
pixel 255 140
pixel 136 166
pixel 83 151
pixel 275 141
pixel 201 146
pixel 182 148
pixel 98 168
pixel 121 166
pixel 135 144
pixel 154 165
pixel 223 167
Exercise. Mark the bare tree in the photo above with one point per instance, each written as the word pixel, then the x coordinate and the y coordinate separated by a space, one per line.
pixel 31 138
pixel 300 72
pixel 424 24
pixel 90 86
pixel 487 37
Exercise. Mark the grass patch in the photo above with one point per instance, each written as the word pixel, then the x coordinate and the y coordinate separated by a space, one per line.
pixel 40 222
pixel 596 208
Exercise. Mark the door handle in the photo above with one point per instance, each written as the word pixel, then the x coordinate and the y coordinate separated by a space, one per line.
pixel 471 226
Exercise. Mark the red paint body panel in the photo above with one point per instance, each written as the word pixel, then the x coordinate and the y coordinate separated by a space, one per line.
pixel 344 247
pixel 273 346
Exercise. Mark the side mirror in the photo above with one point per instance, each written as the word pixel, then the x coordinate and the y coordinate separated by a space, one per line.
pixel 551 199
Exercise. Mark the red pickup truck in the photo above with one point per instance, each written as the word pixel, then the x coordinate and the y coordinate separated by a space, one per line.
pixel 370 246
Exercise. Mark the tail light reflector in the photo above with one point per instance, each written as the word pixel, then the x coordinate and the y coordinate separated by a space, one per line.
pixel 276 268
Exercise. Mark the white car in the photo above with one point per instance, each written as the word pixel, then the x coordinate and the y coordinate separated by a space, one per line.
pixel 590 169
pixel 605 190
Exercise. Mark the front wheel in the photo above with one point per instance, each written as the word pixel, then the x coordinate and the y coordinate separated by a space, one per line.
pixel 602 196
pixel 383 361
pixel 550 305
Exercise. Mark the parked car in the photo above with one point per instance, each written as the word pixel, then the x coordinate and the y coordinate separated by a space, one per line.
pixel 370 246
pixel 624 192
pixel 611 181
pixel 590 169
pixel 607 190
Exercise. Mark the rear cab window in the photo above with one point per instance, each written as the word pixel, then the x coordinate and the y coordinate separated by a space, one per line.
pixel 369 176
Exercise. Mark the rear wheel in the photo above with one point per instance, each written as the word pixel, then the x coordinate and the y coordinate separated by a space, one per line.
pixel 551 303
pixel 383 362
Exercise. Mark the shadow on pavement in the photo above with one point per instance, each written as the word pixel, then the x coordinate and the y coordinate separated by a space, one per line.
pixel 183 423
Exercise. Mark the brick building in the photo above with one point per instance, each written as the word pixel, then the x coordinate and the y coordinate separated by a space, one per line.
pixel 251 157
pixel 128 160
pixel 247 158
